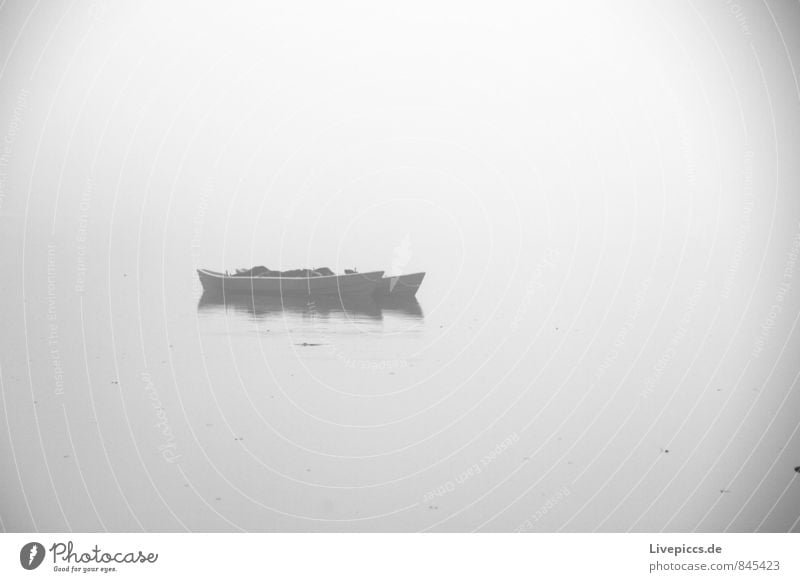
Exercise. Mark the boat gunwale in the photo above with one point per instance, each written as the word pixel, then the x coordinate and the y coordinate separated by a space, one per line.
pixel 223 276
pixel 404 275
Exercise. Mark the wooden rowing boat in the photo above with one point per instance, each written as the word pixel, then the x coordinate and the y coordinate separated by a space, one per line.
pixel 348 284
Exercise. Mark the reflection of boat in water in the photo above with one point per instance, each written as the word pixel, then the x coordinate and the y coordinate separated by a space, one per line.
pixel 323 306
pixel 336 285
pixel 400 285
pixel 400 305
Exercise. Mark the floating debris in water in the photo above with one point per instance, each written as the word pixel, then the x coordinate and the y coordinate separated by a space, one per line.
pixel 797 469
pixel 306 344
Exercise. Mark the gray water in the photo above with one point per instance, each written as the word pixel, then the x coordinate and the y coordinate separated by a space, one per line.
pixel 605 339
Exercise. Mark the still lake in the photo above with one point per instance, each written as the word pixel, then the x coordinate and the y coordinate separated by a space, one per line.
pixel 545 386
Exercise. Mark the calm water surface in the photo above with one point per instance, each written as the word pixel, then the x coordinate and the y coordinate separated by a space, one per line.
pixel 570 396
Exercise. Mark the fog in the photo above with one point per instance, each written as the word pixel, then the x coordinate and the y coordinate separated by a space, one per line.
pixel 603 197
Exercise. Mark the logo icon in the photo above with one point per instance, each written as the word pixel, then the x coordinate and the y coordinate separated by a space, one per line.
pixel 401 257
pixel 31 555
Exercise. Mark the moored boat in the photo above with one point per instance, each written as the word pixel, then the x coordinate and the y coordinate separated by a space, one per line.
pixel 347 284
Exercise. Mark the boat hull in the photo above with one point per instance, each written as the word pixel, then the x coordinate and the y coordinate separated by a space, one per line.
pixel 400 285
pixel 342 285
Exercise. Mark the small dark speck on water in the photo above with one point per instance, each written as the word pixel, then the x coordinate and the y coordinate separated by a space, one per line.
pixel 724 490
pixel 238 438
pixel 797 469
pixel 66 456
pixel 114 382
pixel 219 498
pixel 433 507
pixel 306 344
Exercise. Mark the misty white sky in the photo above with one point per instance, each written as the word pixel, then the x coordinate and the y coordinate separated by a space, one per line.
pixel 316 125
